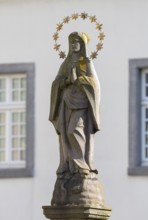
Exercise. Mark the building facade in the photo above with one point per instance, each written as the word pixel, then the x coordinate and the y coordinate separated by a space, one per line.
pixel 29 151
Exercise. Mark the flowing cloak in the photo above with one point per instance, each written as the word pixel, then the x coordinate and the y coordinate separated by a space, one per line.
pixel 88 84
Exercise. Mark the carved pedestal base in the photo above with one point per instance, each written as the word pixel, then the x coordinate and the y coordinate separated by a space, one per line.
pixel 76 213
pixel 77 189
pixel 77 197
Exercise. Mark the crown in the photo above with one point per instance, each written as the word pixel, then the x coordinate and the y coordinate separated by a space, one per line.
pixel 75 16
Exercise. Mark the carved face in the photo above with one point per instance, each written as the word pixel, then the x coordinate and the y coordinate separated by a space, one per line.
pixel 76 45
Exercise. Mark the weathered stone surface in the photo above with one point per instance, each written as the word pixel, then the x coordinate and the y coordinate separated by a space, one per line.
pixel 76 212
pixel 74 112
pixel 74 108
pixel 78 189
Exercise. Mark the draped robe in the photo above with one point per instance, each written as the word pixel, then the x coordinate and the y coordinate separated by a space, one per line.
pixel 74 112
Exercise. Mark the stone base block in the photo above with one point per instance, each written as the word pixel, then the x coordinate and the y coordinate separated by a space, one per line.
pixel 78 190
pixel 76 213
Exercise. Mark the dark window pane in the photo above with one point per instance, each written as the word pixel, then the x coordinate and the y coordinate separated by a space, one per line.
pixel 146 77
pixel 146 91
pixel 2 96
pixel 146 152
pixel 146 126
pixel 15 155
pixel 146 113
pixel 146 139
pixel 2 84
pixel 2 156
pixel 22 155
pixel 2 143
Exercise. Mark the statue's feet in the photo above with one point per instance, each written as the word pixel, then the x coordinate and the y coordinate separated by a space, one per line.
pixel 84 171
pixel 92 167
pixel 94 171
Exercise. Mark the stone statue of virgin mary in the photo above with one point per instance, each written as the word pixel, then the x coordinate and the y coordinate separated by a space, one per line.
pixel 74 109
pixel 74 112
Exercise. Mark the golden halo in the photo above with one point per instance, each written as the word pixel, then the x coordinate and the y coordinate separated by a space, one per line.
pixel 75 16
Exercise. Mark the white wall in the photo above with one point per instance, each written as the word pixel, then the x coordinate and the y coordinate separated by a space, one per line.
pixel 26 29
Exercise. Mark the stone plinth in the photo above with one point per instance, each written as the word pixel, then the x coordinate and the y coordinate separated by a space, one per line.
pixel 76 213
pixel 78 190
pixel 77 197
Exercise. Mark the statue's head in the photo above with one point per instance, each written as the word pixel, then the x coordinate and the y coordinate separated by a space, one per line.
pixel 77 44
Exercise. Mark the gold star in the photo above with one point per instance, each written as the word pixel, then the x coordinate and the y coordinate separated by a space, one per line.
pixel 59 26
pixel 84 15
pixel 62 54
pixel 55 36
pixel 93 55
pixel 99 26
pixel 75 16
pixel 101 36
pixel 93 18
pixel 56 47
pixel 66 19
pixel 99 46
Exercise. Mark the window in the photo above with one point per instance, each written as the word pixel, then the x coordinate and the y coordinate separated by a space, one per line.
pixel 144 117
pixel 138 117
pixel 12 120
pixel 16 120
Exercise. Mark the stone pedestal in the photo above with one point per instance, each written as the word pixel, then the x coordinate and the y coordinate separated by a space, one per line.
pixel 77 197
pixel 76 213
pixel 78 190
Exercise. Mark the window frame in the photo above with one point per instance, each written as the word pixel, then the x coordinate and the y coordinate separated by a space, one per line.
pixel 135 137
pixel 29 70
pixel 144 115
pixel 8 106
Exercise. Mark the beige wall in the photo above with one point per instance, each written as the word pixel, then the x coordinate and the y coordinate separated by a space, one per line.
pixel 26 29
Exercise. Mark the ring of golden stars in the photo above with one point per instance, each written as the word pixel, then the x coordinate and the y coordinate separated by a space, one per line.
pixel 76 16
